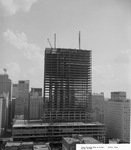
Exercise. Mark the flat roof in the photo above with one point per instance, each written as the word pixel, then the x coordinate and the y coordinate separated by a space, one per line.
pixel 41 147
pixel 9 144
pixel 37 123
pixel 71 140
pixel 47 48
pixel 90 140
pixel 86 140
pixel 27 143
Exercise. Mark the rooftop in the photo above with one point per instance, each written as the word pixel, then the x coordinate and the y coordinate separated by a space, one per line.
pixel 41 147
pixel 34 123
pixel 86 140
pixel 9 144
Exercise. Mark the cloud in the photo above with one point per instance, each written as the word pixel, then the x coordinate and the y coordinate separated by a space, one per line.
pixel 123 60
pixel 103 71
pixel 19 40
pixel 112 77
pixel 10 7
pixel 124 57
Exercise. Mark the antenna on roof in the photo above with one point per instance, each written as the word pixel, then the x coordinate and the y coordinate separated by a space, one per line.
pixel 79 40
pixel 54 41
pixel 49 42
pixel 5 70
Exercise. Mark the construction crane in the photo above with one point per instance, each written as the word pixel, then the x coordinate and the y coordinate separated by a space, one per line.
pixel 49 42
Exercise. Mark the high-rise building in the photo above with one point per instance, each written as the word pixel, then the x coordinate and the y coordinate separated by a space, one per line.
pixel 6 89
pixel 21 103
pixel 14 98
pixel 4 110
pixel 5 84
pixel 1 107
pixel 67 99
pixel 117 116
pixel 15 91
pixel 35 104
pixel 98 107
pixel 67 85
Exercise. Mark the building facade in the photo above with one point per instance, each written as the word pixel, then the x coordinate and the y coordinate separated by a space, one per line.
pixel 21 103
pixel 5 85
pixel 69 143
pixel 98 107
pixel 1 107
pixel 4 110
pixel 35 104
pixel 6 90
pixel 15 91
pixel 32 130
pixel 117 116
pixel 67 85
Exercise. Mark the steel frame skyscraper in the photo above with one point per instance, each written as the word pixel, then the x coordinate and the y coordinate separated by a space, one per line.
pixel 67 85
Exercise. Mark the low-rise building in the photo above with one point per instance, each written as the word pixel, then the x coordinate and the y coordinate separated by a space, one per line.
pixel 32 130
pixel 69 143
pixel 13 146
pixel 41 147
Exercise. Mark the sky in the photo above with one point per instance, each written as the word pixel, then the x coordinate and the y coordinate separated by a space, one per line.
pixel 105 25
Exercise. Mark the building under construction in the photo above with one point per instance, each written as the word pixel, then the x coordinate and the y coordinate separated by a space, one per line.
pixel 67 100
pixel 67 85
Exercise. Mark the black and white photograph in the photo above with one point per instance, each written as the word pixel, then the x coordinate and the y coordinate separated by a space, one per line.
pixel 65 74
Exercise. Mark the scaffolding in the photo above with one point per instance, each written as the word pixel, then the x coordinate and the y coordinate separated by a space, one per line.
pixel 67 85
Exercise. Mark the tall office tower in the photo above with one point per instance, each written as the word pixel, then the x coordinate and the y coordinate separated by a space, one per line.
pixel 21 104
pixel 67 85
pixel 117 116
pixel 15 91
pixel 4 110
pixel 1 107
pixel 5 88
pixel 35 104
pixel 98 107
pixel 5 84
pixel 14 98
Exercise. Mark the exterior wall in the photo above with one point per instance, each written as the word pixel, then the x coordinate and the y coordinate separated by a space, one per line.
pixel 107 118
pixel 118 119
pixel 98 107
pixel 4 114
pixel 56 132
pixel 36 103
pixel 1 103
pixel 69 143
pixel 67 85
pixel 13 107
pixel 21 106
pixel 5 88
pixel 116 96
pixel 36 107
pixel 5 84
pixel 69 146
pixel 15 91
pixel 130 121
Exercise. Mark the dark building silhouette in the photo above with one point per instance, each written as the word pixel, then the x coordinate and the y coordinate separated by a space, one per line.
pixel 67 85
pixel 21 103
pixel 5 89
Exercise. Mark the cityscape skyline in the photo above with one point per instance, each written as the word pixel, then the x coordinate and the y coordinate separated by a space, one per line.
pixel 105 29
